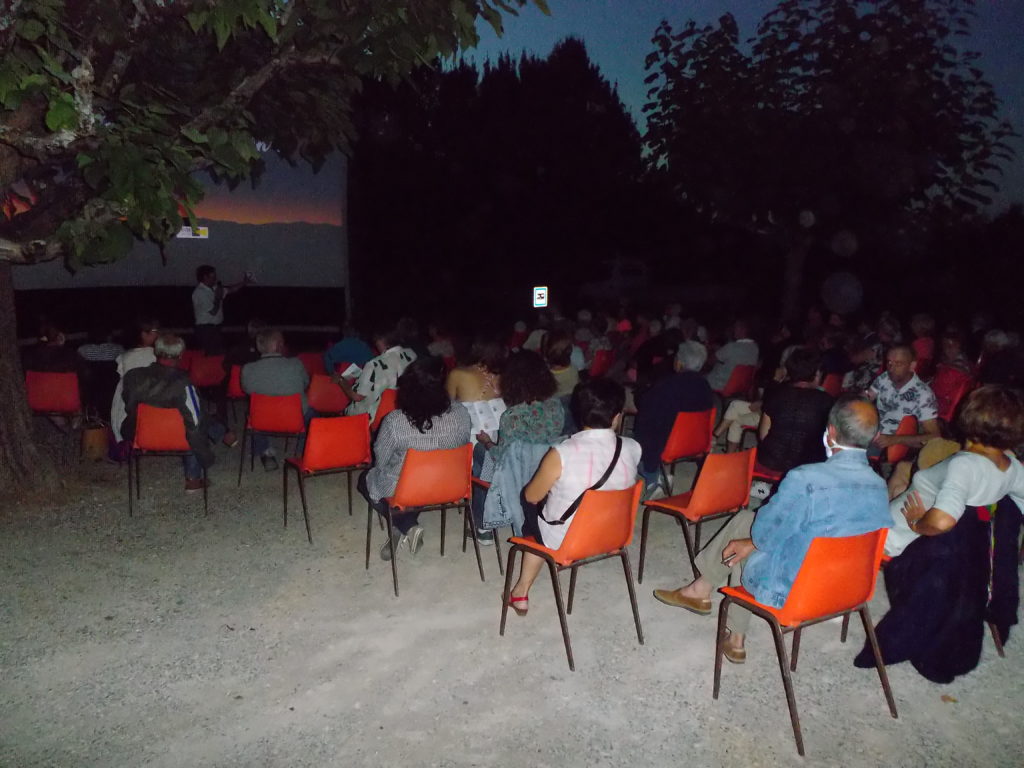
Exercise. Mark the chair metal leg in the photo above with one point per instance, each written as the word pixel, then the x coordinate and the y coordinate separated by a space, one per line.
pixel 787 683
pixel 723 617
pixel 206 497
pixel 369 531
pixel 572 588
pixel 391 544
pixel 996 640
pixel 470 525
pixel 506 593
pixel 666 479
pixel 349 476
pixel 241 452
pixel 696 539
pixel 561 612
pixel 131 500
pixel 497 551
pixel 691 552
pixel 869 630
pixel 305 508
pixel 284 492
pixel 795 651
pixel 643 545
pixel 632 594
pixel 845 629
pixel 252 452
pixel 138 477
pixel 444 526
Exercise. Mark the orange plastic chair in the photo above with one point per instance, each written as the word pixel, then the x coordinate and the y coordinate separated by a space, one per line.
pixel 235 391
pixel 721 490
pixel 313 362
pixel 334 444
pixel 833 384
pixel 602 363
pixel 188 357
pixel 324 396
pixel 53 394
pixel 897 453
pixel 601 528
pixel 207 371
pixel 388 403
pixel 430 480
pixel 158 432
pixel 837 578
pixel 690 440
pixel 740 383
pixel 950 385
pixel 271 415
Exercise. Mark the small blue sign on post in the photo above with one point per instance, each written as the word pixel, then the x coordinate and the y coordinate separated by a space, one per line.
pixel 540 296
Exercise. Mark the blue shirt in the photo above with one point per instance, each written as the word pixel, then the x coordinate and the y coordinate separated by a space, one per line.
pixel 348 350
pixel 839 497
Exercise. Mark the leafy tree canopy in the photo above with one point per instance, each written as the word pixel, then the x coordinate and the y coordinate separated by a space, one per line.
pixel 109 107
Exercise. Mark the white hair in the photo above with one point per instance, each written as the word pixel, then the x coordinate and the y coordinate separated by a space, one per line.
pixel 691 356
pixel 169 346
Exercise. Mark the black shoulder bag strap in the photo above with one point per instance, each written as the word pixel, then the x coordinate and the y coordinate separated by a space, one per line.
pixel 604 479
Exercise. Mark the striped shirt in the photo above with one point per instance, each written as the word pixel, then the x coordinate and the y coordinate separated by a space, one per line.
pixel 397 435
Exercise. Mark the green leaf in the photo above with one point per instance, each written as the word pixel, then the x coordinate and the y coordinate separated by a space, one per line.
pixel 62 114
pixel 196 19
pixel 269 24
pixel 193 135
pixel 84 160
pixel 31 30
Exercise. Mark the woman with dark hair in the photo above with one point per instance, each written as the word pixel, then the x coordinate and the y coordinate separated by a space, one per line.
pixel 557 351
pixel 570 468
pixel 476 383
pixel 425 419
pixel 954 562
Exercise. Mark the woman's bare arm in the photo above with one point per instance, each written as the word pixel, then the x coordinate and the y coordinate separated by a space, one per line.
pixel 544 478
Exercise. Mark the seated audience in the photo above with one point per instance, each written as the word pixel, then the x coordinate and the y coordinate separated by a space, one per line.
pixel 380 373
pixel 742 350
pixel 425 419
pixel 440 341
pixel 557 352
pixel 51 354
pixel 477 384
pixel 945 559
pixel 145 333
pixel 351 349
pixel 572 467
pixel 97 368
pixel 923 327
pixel 864 366
pixel 953 353
pixel 839 497
pixel 899 393
pixel 162 384
pixel 274 374
pixel 691 349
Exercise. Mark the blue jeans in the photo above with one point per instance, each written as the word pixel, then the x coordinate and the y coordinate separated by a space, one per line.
pixel 193 469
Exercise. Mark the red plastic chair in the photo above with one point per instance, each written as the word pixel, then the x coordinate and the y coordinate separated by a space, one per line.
pixel 324 396
pixel 53 394
pixel 334 444
pixel 388 403
pixel 188 357
pixel 449 362
pixel 158 432
pixel 740 383
pixel 690 440
pixel 950 385
pixel 601 528
pixel 207 371
pixel 721 490
pixel 235 392
pixel 431 480
pixel 313 362
pixel 833 384
pixel 274 416
pixel 897 453
pixel 837 578
pixel 602 363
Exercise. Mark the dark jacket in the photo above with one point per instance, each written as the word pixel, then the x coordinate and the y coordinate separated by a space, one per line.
pixel 164 387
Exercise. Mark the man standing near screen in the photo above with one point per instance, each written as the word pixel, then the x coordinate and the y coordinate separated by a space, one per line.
pixel 208 307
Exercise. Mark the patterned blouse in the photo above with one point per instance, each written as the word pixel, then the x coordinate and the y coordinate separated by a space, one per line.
pixel 538 422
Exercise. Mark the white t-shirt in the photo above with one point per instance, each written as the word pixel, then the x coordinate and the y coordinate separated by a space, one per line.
pixel 202 306
pixel 585 457
pixel 963 480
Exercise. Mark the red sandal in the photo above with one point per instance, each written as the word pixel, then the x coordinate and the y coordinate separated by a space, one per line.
pixel 519 611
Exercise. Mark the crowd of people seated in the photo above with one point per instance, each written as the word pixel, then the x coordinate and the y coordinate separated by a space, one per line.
pixel 544 406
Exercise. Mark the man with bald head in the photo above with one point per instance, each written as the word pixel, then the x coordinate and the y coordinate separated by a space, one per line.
pixel 841 496
pixel 898 393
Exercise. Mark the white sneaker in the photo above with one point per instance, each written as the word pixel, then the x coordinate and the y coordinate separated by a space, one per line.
pixel 414 539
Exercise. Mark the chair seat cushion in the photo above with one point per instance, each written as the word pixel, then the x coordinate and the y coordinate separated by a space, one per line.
pixel 308 470
pixel 399 508
pixel 761 472
pixel 741 595
pixel 530 543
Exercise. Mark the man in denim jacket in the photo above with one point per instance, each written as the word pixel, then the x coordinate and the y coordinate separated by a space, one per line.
pixel 839 497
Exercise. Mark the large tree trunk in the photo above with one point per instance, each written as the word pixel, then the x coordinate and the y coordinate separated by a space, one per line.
pixel 793 280
pixel 22 463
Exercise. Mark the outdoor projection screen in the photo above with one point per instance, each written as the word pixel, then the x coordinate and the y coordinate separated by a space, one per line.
pixel 287 231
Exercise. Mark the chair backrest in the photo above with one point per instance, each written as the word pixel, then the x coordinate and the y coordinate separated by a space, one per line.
pixel 207 371
pixel 603 523
pixel 950 385
pixel 325 396
pixel 723 483
pixel 276 413
pixel 53 392
pixel 388 403
pixel 833 384
pixel 692 434
pixel 435 477
pixel 235 391
pixel 741 381
pixel 602 362
pixel 313 362
pixel 896 453
pixel 188 357
pixel 159 429
pixel 837 574
pixel 337 441
pixel 449 362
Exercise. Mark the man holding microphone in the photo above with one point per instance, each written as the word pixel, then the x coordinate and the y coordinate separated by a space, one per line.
pixel 208 307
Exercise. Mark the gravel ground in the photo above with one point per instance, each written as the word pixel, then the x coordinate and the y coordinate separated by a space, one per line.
pixel 170 639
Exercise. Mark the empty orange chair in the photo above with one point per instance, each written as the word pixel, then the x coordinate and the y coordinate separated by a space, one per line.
pixel 430 480
pixel 313 362
pixel 833 384
pixel 158 432
pixel 324 396
pixel 602 363
pixel 740 383
pixel 722 488
pixel 897 453
pixel 335 444
pixel 601 528
pixel 388 403
pixel 53 394
pixel 207 371
pixel 690 440
pixel 274 416
pixel 837 578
